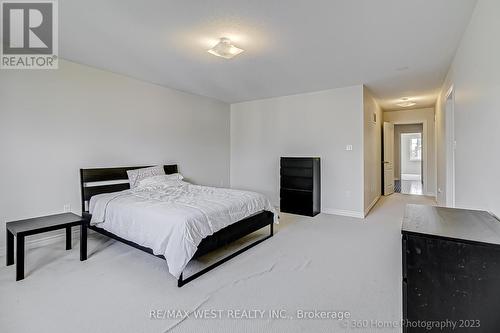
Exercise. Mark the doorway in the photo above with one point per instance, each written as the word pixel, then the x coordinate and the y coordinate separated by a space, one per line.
pixel 403 156
pixel 408 171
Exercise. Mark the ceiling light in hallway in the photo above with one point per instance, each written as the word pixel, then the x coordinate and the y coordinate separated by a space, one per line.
pixel 406 102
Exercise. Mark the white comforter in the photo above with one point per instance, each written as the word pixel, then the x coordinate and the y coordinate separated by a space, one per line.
pixel 173 219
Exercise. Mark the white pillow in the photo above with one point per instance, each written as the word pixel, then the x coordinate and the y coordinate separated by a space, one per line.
pixel 174 176
pixel 174 179
pixel 135 176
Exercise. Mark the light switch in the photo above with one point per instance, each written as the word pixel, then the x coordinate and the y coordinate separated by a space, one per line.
pixel 348 147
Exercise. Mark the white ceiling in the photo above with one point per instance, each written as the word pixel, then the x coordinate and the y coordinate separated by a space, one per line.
pixel 396 47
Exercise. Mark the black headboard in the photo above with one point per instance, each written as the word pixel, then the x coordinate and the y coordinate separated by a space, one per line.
pixel 109 174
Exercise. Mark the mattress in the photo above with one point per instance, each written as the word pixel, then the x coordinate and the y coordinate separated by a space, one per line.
pixel 172 219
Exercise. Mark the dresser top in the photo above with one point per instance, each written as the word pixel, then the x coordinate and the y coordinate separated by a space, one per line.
pixel 300 157
pixel 460 224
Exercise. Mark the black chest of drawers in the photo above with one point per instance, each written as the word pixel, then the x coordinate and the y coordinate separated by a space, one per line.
pixel 451 269
pixel 300 185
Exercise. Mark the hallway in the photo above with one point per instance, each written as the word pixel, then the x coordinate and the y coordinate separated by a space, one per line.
pixel 414 158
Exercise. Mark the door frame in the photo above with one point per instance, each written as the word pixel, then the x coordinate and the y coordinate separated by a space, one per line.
pixel 425 150
pixel 450 146
pixel 383 166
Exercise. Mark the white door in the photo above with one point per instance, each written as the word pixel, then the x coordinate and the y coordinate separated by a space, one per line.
pixel 388 162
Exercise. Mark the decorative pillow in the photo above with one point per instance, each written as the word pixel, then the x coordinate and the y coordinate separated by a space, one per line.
pixel 172 179
pixel 135 176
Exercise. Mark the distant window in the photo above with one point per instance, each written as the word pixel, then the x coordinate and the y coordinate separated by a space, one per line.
pixel 416 149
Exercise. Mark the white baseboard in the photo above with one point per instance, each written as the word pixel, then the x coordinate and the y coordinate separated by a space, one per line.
pixel 374 202
pixel 51 239
pixel 60 236
pixel 342 212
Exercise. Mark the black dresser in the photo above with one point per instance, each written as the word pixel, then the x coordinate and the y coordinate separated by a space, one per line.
pixel 300 182
pixel 451 269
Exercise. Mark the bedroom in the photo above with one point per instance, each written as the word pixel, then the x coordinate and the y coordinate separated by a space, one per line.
pixel 135 86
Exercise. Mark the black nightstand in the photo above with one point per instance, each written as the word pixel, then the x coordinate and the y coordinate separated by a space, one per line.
pixel 34 226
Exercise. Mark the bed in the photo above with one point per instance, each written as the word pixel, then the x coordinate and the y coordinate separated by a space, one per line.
pixel 176 221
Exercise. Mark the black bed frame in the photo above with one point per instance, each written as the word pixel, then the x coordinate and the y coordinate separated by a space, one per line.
pixel 219 239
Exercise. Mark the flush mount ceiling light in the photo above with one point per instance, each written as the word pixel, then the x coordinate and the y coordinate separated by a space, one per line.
pixel 225 49
pixel 406 102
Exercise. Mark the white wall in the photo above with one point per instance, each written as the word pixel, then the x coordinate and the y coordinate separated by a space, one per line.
pixel 372 150
pixel 313 124
pixel 426 117
pixel 52 123
pixel 475 74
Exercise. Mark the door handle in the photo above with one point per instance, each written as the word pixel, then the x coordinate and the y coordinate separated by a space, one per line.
pixel 385 162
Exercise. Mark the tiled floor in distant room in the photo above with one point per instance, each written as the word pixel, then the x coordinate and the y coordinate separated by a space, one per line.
pixel 408 187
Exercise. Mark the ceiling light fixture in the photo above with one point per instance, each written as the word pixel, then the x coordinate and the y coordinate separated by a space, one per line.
pixel 225 49
pixel 406 103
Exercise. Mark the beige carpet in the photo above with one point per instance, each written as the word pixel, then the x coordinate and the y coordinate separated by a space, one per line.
pixel 327 263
